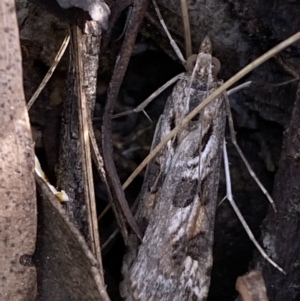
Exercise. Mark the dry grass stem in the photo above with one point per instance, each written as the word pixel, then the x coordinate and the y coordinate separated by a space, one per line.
pixel 187 30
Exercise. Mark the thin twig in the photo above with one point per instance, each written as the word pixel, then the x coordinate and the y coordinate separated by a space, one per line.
pixel 238 213
pixel 126 24
pixel 287 67
pixel 145 103
pixel 138 12
pixel 110 238
pixel 239 87
pixel 172 42
pixel 234 142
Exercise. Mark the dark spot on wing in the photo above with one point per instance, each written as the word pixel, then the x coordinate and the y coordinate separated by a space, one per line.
pixel 152 177
pixel 185 192
pixel 196 118
pixel 206 137
pixel 195 154
pixel 203 86
pixel 172 122
pixel 196 163
pixel 200 245
pixel 175 142
pixel 203 193
pixel 179 250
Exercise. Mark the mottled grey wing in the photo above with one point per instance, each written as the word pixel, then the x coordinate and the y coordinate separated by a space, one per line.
pixel 175 257
pixel 147 197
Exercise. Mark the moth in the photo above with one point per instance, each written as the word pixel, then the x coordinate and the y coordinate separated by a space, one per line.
pixel 178 198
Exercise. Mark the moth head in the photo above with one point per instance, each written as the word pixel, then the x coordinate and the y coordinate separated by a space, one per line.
pixel 205 48
pixel 191 62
